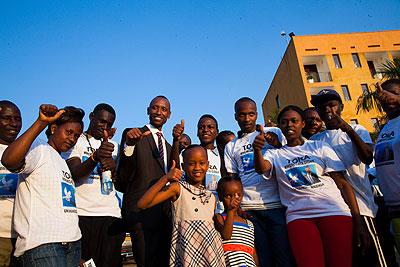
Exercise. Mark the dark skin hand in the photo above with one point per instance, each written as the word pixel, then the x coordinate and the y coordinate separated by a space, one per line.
pixel 177 133
pixel 364 151
pixel 14 155
pixel 134 135
pixel 361 236
pixel 82 170
pixel 259 142
pixel 386 96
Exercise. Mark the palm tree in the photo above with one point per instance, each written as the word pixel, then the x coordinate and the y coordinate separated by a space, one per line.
pixel 391 69
pixel 368 101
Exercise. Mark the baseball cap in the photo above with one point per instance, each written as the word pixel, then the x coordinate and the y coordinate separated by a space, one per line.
pixel 325 95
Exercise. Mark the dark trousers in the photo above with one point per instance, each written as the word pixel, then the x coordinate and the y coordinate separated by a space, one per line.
pixel 151 246
pixel 102 237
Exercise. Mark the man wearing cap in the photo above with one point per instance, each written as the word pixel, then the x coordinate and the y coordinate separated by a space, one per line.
pixel 354 147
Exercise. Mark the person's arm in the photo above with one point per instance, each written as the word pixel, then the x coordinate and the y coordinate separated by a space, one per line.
pixel 364 151
pixel 159 193
pixel 81 170
pixel 255 257
pixel 14 155
pixel 387 97
pixel 260 164
pixel 226 227
pixel 360 231
pixel 177 134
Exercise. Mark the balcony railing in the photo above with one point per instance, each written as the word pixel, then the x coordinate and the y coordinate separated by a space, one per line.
pixel 317 77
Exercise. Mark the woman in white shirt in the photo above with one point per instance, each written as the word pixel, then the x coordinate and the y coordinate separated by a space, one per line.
pixel 45 215
pixel 320 202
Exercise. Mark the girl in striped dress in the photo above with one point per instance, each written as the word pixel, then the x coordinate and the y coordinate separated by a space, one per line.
pixel 237 233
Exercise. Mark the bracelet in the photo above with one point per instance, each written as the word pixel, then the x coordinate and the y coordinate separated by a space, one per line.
pixel 91 156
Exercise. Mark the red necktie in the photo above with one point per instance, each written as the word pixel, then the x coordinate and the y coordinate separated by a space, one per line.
pixel 160 147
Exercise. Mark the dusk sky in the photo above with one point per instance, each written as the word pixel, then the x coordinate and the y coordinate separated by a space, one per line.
pixel 202 55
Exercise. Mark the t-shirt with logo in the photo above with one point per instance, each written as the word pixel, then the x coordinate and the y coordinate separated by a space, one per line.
pixel 387 161
pixel 8 187
pixel 258 193
pixel 90 199
pixel 356 171
pixel 213 175
pixel 45 208
pixel 305 187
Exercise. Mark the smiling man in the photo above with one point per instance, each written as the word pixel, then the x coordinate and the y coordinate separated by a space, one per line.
pixel 146 158
pixel 10 125
pixel 261 197
pixel 98 209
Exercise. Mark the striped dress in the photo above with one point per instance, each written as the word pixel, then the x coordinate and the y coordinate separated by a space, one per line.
pixel 239 249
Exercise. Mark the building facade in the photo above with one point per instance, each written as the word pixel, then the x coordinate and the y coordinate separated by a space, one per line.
pixel 348 63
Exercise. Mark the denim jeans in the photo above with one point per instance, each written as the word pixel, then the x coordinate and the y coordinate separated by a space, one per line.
pixel 53 254
pixel 271 238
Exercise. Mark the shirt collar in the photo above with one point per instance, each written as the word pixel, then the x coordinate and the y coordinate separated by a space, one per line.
pixel 153 129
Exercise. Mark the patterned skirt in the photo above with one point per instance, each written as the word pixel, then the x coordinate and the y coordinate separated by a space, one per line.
pixel 196 243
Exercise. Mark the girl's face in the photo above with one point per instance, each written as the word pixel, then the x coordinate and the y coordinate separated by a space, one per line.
pixel 230 190
pixel 195 165
pixel 64 136
pixel 291 125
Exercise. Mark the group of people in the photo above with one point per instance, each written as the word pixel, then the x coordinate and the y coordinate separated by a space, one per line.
pixel 294 195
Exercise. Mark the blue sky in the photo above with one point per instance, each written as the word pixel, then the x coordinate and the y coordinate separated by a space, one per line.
pixel 202 55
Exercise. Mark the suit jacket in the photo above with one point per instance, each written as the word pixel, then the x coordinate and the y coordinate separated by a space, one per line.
pixel 136 174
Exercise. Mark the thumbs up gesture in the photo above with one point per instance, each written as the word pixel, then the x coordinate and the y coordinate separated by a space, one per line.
pixel 106 148
pixel 178 130
pixel 174 174
pixel 259 141
pixel 134 135
pixel 49 113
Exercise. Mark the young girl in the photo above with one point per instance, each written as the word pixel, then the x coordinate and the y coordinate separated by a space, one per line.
pixel 237 233
pixel 45 215
pixel 195 242
pixel 321 206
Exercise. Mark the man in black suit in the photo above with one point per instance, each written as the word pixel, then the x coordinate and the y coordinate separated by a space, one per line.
pixel 145 156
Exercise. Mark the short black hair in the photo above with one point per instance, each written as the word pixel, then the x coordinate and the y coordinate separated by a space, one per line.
pixel 208 116
pixel 226 179
pixel 390 82
pixel 161 96
pixel 6 103
pixel 310 108
pixel 71 114
pixel 222 135
pixel 244 99
pixel 291 107
pixel 104 106
pixel 191 147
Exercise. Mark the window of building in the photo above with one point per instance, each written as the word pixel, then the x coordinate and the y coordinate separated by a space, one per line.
pixel 346 93
pixel 356 60
pixel 278 102
pixel 336 59
pixel 371 67
pixel 354 122
pixel 375 123
pixel 364 88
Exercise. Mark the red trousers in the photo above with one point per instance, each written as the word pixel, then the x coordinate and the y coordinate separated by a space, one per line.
pixel 324 241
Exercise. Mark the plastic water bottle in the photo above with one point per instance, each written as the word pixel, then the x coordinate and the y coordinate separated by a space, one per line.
pixel 106 183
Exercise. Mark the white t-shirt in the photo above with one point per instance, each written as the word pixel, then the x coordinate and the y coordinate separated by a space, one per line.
pixel 356 171
pixel 387 161
pixel 259 194
pixel 8 186
pixel 90 201
pixel 45 209
pixel 213 175
pixel 305 187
